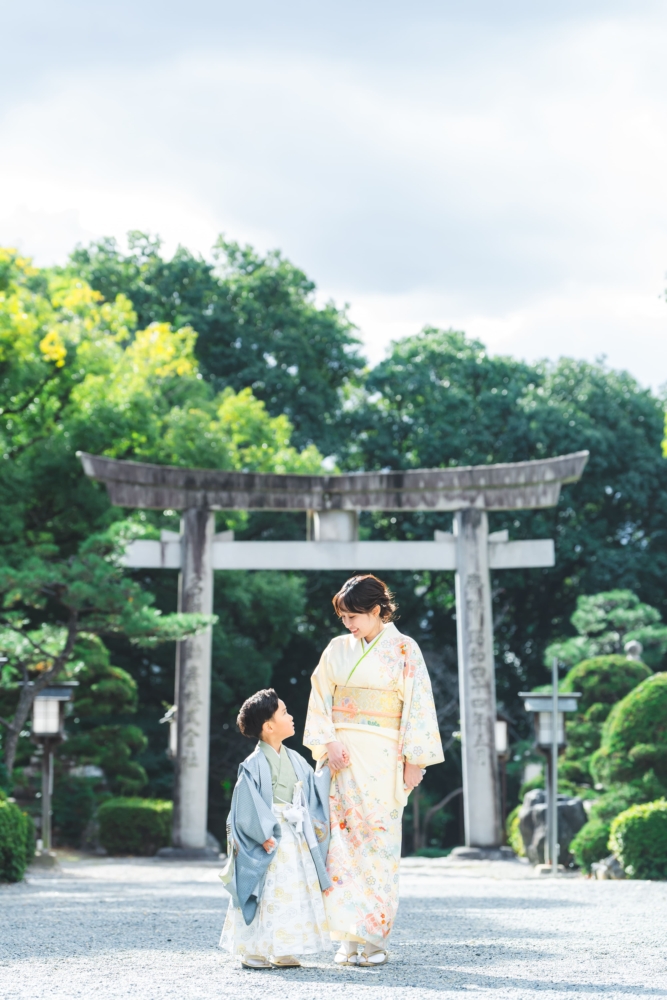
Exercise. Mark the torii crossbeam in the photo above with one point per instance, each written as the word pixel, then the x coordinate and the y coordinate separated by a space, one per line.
pixel 333 503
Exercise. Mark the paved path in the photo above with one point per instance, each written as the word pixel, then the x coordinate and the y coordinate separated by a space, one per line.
pixel 146 929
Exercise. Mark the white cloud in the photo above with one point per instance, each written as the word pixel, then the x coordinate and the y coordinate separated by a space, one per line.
pixel 504 177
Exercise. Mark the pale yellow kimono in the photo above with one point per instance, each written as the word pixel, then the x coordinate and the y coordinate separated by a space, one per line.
pixel 376 699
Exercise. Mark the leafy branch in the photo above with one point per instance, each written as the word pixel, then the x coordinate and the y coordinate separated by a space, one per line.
pixel 86 594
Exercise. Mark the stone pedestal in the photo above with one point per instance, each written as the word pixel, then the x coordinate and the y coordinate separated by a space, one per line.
pixel 193 684
pixel 477 685
pixel 483 854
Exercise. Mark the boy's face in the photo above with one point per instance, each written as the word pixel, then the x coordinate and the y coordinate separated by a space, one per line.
pixel 281 724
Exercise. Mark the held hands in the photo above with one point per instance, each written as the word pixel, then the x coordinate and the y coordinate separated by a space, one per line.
pixel 269 845
pixel 412 775
pixel 339 758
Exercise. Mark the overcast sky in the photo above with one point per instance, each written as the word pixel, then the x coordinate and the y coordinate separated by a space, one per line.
pixel 499 167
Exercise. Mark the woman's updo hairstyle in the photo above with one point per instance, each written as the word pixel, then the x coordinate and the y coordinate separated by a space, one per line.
pixel 360 594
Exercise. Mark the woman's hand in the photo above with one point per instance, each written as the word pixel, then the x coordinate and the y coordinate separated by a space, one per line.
pixel 269 845
pixel 339 758
pixel 412 775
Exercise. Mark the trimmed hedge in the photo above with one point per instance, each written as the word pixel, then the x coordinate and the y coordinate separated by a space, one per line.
pixel 639 840
pixel 17 841
pixel 135 826
pixel 602 681
pixel 634 737
pixel 590 844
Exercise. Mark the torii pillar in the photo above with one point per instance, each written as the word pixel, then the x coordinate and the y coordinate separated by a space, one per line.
pixel 333 503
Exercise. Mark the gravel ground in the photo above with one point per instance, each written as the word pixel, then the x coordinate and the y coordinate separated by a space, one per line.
pixel 148 929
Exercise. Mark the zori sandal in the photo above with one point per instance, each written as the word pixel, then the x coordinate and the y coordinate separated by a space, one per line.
pixel 342 957
pixel 285 962
pixel 255 962
pixel 379 957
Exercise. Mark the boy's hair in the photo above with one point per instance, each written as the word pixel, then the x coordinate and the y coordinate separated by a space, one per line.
pixel 255 711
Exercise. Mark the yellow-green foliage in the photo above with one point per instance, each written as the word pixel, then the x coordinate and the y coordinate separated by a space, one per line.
pixel 639 840
pixel 78 369
pixel 514 838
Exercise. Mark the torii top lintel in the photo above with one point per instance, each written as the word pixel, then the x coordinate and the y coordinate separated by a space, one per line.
pixel 511 486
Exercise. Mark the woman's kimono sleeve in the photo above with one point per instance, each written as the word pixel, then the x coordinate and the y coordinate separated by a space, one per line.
pixel 320 729
pixel 421 743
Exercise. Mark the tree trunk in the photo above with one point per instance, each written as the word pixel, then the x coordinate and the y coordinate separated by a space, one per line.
pixel 430 813
pixel 29 691
pixel 21 714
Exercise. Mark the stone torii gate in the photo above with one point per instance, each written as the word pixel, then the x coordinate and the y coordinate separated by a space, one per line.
pixel 332 504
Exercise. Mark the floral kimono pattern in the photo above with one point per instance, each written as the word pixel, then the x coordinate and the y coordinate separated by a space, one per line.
pixel 376 699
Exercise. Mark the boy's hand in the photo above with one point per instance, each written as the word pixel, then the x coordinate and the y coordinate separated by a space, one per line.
pixel 339 758
pixel 269 845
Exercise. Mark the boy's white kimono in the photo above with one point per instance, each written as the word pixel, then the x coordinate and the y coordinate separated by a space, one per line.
pixel 277 906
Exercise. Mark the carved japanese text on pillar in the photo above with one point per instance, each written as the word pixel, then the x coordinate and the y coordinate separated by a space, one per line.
pixel 480 692
pixel 191 699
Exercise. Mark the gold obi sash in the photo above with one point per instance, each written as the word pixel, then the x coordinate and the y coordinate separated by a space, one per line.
pixel 367 707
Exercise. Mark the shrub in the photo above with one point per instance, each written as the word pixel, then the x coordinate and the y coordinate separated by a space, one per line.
pixel 135 826
pixel 17 841
pixel 634 737
pixel 432 852
pixel 590 844
pixel 602 681
pixel 73 807
pixel 639 840
pixel 617 800
pixel 514 838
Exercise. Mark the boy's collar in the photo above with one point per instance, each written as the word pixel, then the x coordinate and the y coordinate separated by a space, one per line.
pixel 269 747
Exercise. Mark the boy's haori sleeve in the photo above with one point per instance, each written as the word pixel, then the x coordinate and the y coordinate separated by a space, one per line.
pixel 322 785
pixel 253 820
pixel 318 806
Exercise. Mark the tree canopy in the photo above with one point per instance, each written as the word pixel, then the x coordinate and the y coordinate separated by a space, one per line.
pixel 79 372
pixel 234 363
pixel 605 623
pixel 258 323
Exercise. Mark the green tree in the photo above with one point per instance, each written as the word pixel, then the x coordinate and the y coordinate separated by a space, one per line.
pixel 605 623
pixel 88 594
pixel 99 733
pixel 79 372
pixel 257 320
pixel 441 399
pixel 634 739
pixel 602 681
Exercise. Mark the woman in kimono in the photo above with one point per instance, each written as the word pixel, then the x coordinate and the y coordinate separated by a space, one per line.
pixel 371 717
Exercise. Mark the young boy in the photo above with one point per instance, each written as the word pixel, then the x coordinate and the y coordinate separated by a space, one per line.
pixel 278 834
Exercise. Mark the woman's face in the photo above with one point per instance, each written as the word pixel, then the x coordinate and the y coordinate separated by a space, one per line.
pixel 362 625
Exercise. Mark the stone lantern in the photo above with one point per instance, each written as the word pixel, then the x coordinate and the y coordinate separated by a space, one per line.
pixel 549 710
pixel 48 729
